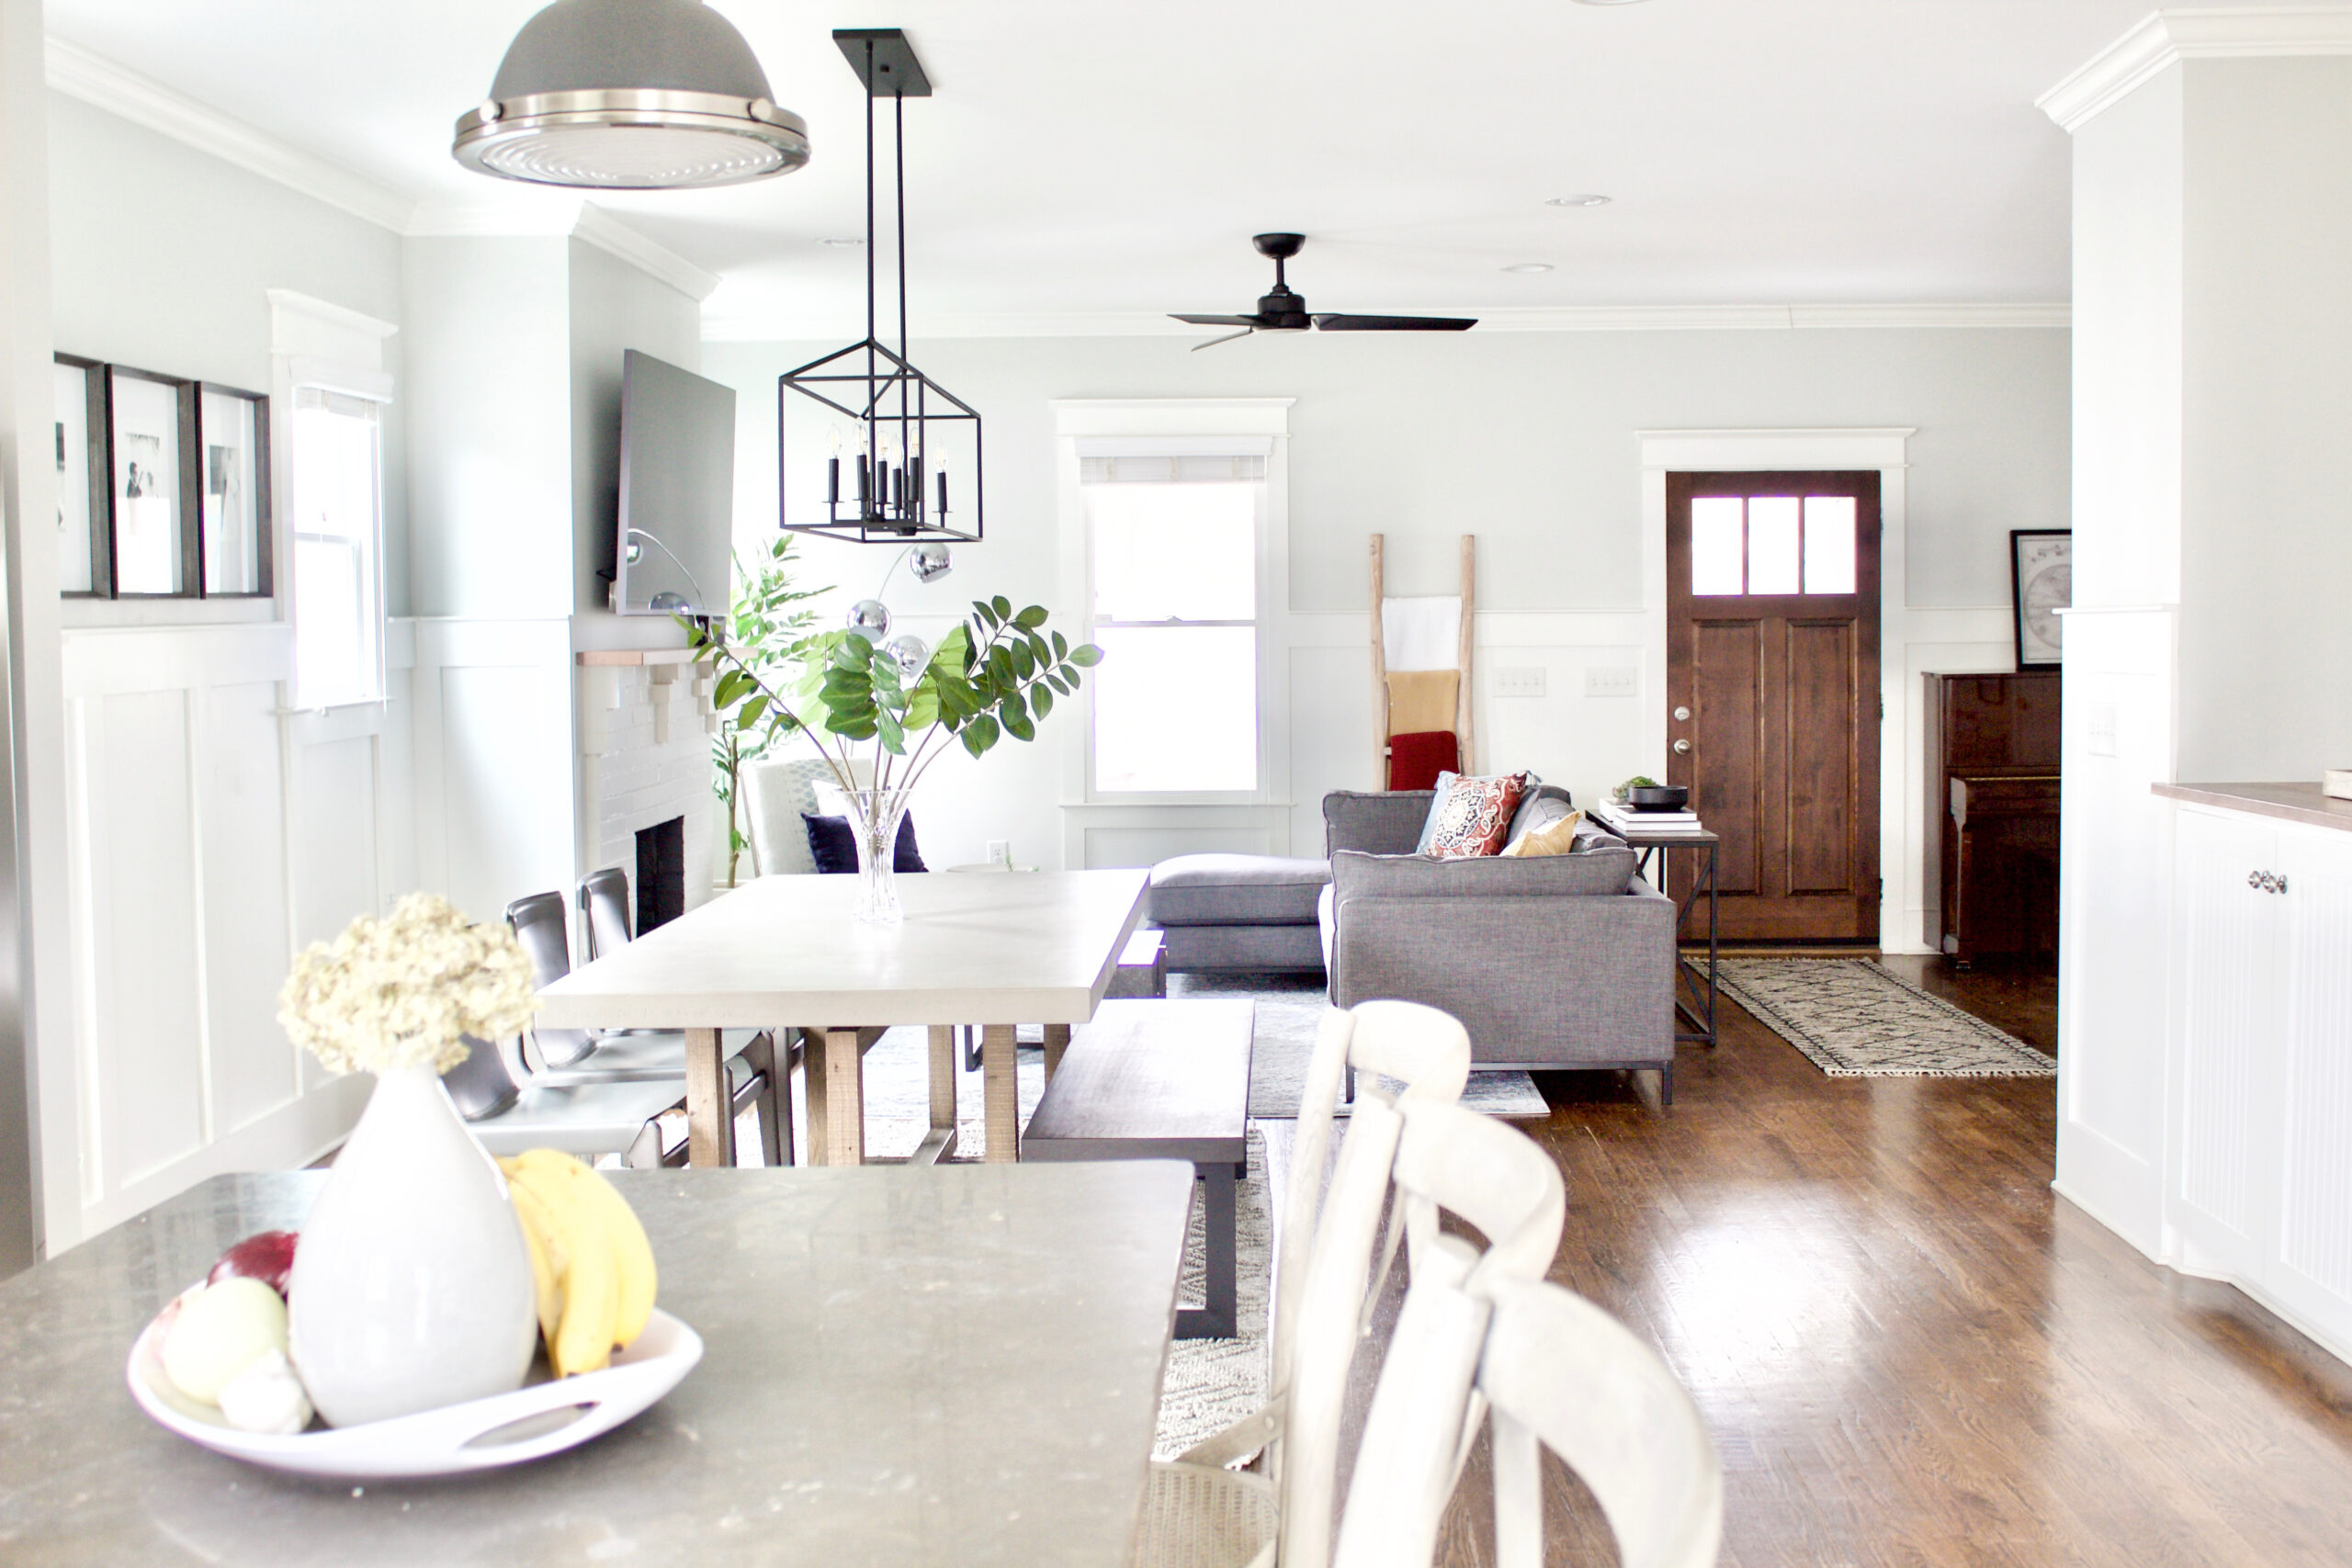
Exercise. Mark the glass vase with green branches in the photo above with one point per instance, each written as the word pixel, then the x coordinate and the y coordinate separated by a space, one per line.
pixel 995 674
pixel 766 628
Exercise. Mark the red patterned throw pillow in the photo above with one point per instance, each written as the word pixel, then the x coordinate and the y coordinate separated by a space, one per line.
pixel 1475 816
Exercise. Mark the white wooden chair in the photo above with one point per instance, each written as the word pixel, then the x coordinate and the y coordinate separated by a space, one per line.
pixel 1416 1434
pixel 1562 1374
pixel 1199 1513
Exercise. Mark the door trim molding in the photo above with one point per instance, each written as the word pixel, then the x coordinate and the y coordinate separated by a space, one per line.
pixel 1884 449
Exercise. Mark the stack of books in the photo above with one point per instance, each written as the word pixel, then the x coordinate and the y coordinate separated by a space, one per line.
pixel 1625 820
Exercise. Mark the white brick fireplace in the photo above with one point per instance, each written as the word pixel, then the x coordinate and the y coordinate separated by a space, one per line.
pixel 645 723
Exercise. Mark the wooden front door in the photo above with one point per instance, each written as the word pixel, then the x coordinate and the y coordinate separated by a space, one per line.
pixel 1772 694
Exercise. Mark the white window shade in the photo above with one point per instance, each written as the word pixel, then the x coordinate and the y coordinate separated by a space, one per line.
pixel 1173 469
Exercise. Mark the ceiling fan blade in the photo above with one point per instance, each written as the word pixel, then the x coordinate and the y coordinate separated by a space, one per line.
pixel 1395 323
pixel 1218 320
pixel 1226 338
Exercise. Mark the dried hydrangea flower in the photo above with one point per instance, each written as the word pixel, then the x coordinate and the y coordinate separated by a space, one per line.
pixel 403 991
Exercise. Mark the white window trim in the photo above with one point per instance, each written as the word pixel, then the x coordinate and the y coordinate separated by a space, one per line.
pixel 315 342
pixel 1184 427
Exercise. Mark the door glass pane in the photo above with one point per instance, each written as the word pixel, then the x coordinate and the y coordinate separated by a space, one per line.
pixel 1714 543
pixel 1829 544
pixel 1176 708
pixel 1174 551
pixel 1772 544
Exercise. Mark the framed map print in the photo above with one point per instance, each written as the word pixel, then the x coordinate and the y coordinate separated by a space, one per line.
pixel 2041 584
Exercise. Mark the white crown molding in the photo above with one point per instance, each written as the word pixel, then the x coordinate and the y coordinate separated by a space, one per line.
pixel 78 73
pixel 599 228
pixel 724 327
pixel 2197 33
pixel 527 214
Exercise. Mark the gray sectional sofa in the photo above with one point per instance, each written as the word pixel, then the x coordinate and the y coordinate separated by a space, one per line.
pixel 1565 961
pixel 1238 912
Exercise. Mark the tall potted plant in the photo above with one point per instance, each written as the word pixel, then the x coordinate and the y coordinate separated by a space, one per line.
pixel 996 674
pixel 765 626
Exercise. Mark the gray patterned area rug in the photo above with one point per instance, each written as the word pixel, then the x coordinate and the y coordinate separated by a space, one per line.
pixel 1211 1383
pixel 1856 1018
pixel 1290 1012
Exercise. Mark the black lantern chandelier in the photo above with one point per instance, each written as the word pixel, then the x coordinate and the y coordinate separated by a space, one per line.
pixel 889 482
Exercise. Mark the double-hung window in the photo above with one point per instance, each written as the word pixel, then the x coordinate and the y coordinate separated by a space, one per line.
pixel 1174 563
pixel 337 461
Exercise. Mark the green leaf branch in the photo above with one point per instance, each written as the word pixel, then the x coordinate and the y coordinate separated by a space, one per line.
pixel 996 674
pixel 765 629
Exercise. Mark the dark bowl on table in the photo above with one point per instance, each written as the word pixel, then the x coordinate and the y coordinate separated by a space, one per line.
pixel 1658 798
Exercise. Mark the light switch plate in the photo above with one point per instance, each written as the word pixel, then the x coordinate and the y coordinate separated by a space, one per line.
pixel 1612 681
pixel 2098 728
pixel 1521 683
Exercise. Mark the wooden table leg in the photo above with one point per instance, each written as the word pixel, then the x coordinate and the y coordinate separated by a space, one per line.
pixel 835 1076
pixel 711 1108
pixel 1001 1087
pixel 1057 1042
pixel 940 1142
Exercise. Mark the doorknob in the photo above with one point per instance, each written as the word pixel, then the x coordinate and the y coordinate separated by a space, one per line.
pixel 1682 748
pixel 1681 716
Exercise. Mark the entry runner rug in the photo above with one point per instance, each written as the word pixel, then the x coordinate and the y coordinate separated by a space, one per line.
pixel 1856 1018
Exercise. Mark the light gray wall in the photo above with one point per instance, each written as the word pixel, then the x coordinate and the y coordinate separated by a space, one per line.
pixel 163 255
pixel 2266 553
pixel 614 307
pixel 490 332
pixel 1527 440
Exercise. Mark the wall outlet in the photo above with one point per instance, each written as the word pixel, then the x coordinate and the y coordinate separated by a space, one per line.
pixel 1612 681
pixel 1000 851
pixel 1518 682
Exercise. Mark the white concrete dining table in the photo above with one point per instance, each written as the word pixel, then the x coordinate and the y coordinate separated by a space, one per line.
pixel 991 952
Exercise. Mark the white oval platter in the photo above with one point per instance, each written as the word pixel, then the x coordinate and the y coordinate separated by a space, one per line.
pixel 531 1423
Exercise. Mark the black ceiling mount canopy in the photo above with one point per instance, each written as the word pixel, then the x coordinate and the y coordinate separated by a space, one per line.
pixel 883 61
pixel 1285 311
pixel 906 432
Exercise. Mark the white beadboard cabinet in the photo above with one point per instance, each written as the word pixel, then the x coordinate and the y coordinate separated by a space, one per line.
pixel 2258 1186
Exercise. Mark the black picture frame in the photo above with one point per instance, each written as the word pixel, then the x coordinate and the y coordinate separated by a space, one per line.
pixel 92 462
pixel 205 467
pixel 177 482
pixel 2041 581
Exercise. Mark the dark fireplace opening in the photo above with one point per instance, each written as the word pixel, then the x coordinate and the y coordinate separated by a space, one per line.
pixel 660 874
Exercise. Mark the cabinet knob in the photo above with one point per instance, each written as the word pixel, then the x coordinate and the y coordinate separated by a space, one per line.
pixel 2254 880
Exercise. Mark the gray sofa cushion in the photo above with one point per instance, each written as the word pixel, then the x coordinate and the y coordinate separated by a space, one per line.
pixel 1236 890
pixel 1192 948
pixel 1598 872
pixel 1385 823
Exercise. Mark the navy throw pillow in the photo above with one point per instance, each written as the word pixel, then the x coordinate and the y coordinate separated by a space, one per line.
pixel 833 846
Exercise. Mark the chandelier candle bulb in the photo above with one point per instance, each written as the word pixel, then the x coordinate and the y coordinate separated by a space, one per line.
pixel 833 481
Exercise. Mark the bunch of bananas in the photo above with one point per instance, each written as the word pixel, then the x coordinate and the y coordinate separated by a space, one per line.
pixel 589 1256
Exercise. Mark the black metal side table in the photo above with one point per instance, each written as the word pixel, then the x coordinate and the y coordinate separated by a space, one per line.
pixel 1694 991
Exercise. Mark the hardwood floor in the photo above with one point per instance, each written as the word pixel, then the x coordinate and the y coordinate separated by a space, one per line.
pixel 1909 1351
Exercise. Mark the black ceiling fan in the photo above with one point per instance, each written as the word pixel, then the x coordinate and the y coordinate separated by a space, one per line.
pixel 1285 311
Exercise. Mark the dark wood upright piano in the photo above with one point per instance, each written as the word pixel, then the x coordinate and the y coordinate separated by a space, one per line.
pixel 1992 868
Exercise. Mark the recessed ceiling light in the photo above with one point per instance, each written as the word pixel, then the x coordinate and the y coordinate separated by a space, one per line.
pixel 1608 2
pixel 1583 200
pixel 839 240
pixel 1528 267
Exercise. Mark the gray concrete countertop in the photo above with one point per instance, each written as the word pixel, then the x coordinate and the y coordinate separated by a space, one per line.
pixel 2287 802
pixel 902 1366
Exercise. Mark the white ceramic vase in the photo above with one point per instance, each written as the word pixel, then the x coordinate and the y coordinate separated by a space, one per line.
pixel 412 1285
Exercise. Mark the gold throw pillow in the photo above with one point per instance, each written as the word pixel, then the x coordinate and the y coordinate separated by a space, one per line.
pixel 1557 839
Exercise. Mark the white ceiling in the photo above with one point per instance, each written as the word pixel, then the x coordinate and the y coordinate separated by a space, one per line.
pixel 1085 156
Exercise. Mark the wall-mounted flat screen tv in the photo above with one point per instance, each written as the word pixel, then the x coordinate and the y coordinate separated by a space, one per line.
pixel 677 491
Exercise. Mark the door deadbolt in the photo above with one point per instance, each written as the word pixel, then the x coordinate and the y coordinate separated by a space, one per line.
pixel 1681 716
pixel 1682 748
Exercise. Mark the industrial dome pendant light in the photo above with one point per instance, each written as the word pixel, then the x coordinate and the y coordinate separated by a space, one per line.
pixel 630 95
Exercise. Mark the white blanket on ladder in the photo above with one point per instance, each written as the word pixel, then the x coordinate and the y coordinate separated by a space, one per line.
pixel 1421 634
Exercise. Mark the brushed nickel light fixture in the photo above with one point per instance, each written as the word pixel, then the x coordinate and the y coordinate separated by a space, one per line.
pixel 630 95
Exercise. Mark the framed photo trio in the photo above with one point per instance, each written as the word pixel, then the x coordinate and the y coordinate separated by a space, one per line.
pixel 162 485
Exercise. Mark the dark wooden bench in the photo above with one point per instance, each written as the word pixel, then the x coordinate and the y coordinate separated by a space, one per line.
pixel 1156 1079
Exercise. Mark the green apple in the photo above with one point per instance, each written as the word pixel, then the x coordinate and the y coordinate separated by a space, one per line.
pixel 222 1329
